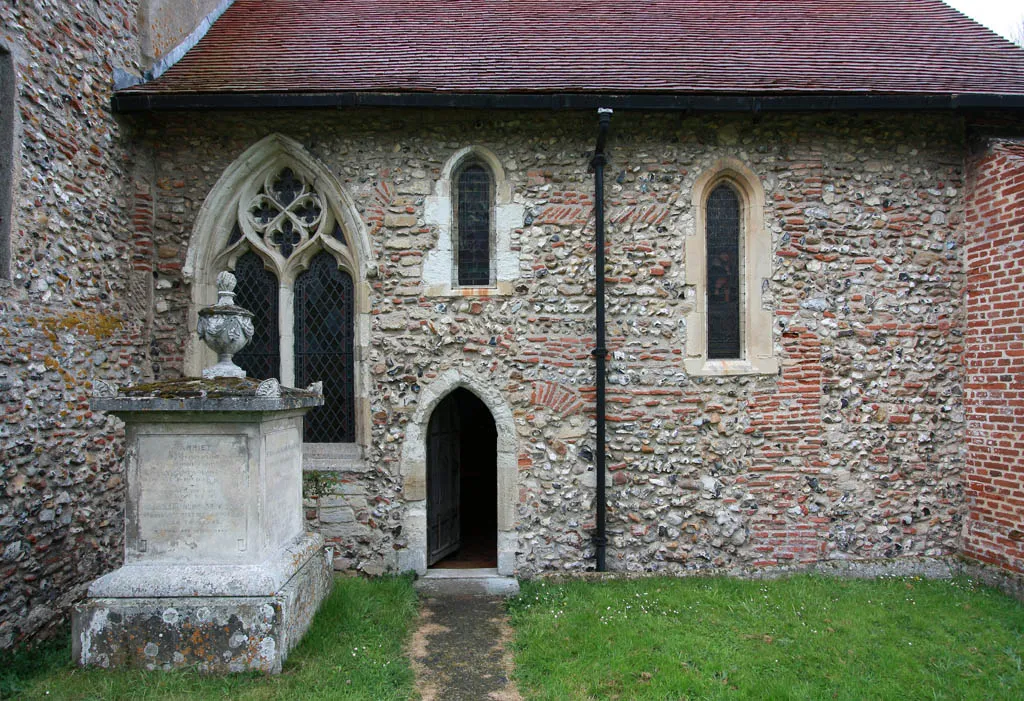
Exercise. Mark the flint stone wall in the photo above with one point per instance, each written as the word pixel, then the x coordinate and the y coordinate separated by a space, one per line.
pixel 855 450
pixel 73 310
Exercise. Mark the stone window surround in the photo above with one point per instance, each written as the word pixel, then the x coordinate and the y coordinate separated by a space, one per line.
pixel 756 343
pixel 439 265
pixel 208 254
pixel 414 469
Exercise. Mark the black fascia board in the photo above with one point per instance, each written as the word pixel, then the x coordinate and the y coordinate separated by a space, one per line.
pixel 126 102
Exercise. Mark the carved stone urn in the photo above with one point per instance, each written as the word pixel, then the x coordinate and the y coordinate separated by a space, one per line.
pixel 225 328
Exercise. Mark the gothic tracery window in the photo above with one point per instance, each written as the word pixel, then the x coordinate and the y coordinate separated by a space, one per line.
pixel 289 253
pixel 285 213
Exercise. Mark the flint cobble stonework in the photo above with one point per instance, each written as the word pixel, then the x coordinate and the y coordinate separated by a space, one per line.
pixel 994 479
pixel 854 450
pixel 72 311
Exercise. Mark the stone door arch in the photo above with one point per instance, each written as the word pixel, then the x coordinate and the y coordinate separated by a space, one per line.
pixel 461 483
pixel 414 469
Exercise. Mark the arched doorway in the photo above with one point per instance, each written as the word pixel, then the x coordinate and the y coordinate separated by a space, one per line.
pixel 462 492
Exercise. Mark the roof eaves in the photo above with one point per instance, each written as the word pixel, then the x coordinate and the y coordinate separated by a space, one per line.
pixel 128 102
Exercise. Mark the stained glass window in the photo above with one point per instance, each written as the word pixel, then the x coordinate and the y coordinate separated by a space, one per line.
pixel 257 291
pixel 324 348
pixel 723 266
pixel 473 216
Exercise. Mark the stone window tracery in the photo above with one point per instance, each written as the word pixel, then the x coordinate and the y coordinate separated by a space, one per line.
pixel 286 226
pixel 287 250
pixel 285 213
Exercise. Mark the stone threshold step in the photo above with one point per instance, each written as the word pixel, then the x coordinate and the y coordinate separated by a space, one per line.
pixel 467 582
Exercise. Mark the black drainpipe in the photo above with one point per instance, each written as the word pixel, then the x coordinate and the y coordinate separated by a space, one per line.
pixel 604 118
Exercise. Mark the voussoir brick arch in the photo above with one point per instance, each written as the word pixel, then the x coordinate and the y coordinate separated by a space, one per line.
pixel 561 399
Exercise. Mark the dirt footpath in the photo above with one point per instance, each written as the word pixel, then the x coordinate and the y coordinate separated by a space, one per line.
pixel 461 650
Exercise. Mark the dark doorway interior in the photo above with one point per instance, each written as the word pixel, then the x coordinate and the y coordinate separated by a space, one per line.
pixel 462 514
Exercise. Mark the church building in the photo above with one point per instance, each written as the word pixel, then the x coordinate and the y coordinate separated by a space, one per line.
pixel 811 299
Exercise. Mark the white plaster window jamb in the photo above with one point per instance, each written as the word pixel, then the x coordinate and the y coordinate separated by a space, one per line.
pixel 756 343
pixel 439 264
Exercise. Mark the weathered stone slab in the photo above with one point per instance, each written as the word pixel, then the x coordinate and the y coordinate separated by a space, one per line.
pixel 212 488
pixel 282 470
pixel 193 495
pixel 182 579
pixel 214 634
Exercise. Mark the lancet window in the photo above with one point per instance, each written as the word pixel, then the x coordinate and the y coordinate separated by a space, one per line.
pixel 728 263
pixel 473 204
pixel 723 273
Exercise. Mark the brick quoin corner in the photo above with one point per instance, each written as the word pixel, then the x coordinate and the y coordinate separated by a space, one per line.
pixel 994 479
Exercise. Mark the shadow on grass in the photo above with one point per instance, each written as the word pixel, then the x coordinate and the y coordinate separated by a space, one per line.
pixel 353 650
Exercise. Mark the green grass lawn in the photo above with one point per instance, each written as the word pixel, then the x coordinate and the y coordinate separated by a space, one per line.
pixel 354 650
pixel 800 638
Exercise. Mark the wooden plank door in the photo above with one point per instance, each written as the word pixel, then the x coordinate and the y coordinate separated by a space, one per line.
pixel 443 451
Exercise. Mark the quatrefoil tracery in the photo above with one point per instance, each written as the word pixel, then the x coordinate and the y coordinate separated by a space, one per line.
pixel 286 212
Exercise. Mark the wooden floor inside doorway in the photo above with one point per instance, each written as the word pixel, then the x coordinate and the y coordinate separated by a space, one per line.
pixel 476 552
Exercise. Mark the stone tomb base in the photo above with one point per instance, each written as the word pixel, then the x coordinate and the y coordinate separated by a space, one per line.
pixel 213 634
pixel 219 574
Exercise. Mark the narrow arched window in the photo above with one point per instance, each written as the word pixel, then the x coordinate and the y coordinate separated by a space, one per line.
pixel 7 99
pixel 723 273
pixel 324 347
pixel 729 264
pixel 257 291
pixel 473 199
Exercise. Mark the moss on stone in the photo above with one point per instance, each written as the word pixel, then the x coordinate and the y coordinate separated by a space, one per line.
pixel 194 387
pixel 318 484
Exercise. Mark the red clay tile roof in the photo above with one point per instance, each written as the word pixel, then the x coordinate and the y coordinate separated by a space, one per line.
pixel 748 47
